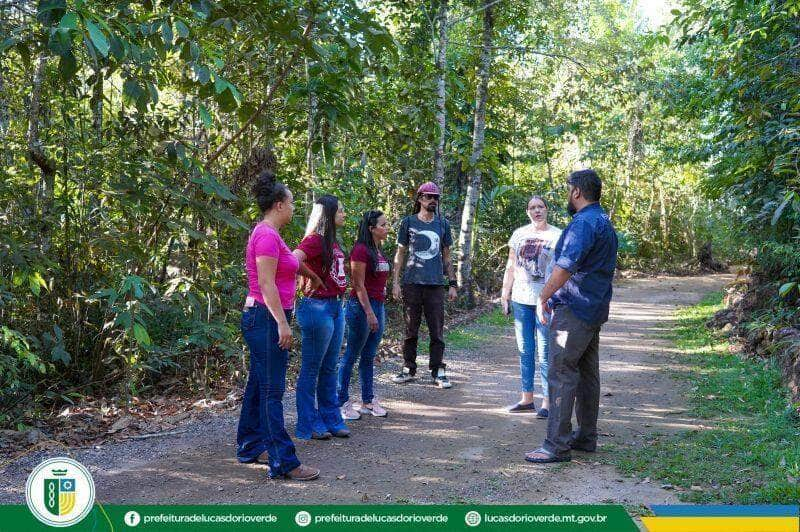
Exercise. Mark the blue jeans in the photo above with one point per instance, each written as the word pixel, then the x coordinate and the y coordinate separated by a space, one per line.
pixel 532 338
pixel 322 327
pixel 261 426
pixel 363 343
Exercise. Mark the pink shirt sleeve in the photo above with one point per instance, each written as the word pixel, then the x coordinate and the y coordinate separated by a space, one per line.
pixel 265 244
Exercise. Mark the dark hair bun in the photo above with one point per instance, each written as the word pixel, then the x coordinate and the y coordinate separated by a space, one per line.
pixel 268 191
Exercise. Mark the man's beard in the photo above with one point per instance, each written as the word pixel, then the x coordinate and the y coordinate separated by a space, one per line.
pixel 431 207
pixel 571 208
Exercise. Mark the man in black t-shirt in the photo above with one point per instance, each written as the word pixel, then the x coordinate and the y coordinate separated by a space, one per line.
pixel 423 257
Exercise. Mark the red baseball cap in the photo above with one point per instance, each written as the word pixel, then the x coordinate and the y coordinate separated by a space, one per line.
pixel 429 188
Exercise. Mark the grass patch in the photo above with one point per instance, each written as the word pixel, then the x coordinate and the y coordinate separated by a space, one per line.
pixel 495 318
pixel 469 335
pixel 464 338
pixel 752 452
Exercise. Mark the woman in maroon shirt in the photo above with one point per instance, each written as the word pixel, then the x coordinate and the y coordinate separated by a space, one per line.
pixel 364 314
pixel 321 320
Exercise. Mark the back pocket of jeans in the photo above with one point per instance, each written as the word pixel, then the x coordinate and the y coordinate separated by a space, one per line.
pixel 249 318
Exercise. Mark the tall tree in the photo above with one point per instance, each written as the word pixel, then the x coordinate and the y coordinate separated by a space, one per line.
pixel 470 210
pixel 441 93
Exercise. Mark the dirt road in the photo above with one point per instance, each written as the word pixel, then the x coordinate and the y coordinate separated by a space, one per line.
pixel 436 446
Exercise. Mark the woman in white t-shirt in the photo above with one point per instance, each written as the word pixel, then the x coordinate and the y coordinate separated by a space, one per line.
pixel 530 255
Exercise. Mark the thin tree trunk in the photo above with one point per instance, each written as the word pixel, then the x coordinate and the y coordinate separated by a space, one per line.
pixel 313 102
pixel 646 223
pixel 633 157
pixel 5 117
pixel 663 220
pixel 38 156
pixel 469 213
pixel 441 111
pixel 97 106
pixel 690 226
pixel 312 117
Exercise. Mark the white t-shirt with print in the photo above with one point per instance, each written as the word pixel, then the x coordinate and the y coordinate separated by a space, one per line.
pixel 533 257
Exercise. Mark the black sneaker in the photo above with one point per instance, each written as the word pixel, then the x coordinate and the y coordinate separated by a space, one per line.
pixel 404 377
pixel 441 379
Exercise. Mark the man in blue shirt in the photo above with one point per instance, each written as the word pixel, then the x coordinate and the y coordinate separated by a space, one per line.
pixel 578 293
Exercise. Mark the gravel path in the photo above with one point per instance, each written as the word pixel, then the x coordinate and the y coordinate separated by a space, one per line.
pixel 436 446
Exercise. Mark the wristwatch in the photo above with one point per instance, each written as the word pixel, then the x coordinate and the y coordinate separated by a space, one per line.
pixel 452 283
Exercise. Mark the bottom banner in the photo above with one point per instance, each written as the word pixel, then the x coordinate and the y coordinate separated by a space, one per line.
pixel 584 518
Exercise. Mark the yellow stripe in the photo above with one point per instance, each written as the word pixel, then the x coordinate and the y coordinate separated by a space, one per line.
pixel 721 524
pixel 66 503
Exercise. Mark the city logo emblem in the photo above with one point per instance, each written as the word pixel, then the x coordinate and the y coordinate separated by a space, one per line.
pixel 60 492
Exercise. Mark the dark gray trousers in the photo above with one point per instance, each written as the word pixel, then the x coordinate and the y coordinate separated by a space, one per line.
pixel 574 381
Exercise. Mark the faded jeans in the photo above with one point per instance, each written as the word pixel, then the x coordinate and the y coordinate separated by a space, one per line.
pixel 322 327
pixel 532 340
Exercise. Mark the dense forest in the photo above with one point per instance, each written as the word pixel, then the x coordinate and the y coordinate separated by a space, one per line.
pixel 131 132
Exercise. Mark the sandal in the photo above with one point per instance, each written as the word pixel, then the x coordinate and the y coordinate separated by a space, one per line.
pixel 545 457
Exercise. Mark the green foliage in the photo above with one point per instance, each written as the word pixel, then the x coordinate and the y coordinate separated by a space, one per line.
pixel 779 261
pixel 751 425
pixel 122 221
pixel 122 266
pixel 741 94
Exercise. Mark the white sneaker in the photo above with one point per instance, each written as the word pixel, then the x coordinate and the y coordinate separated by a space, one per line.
pixel 349 412
pixel 375 408
pixel 441 379
pixel 403 377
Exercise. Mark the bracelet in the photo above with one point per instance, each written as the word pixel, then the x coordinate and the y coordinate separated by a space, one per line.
pixel 453 283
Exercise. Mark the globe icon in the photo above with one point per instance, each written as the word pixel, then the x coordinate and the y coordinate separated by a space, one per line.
pixel 472 518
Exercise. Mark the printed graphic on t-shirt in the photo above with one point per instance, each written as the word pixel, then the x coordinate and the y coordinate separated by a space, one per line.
pixel 425 241
pixel 337 271
pixel 424 244
pixel 382 265
pixel 533 256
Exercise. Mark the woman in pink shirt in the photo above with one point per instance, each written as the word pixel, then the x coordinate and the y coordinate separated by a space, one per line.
pixel 271 270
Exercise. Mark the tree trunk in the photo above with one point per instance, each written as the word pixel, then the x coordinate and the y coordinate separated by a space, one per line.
pixel 97 106
pixel 690 226
pixel 648 212
pixel 37 155
pixel 635 139
pixel 5 118
pixel 663 220
pixel 469 213
pixel 441 112
pixel 313 102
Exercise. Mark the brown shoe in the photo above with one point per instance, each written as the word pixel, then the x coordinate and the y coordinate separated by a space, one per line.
pixel 302 472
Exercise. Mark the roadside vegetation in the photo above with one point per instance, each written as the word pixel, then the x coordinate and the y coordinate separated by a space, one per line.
pixel 746 449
